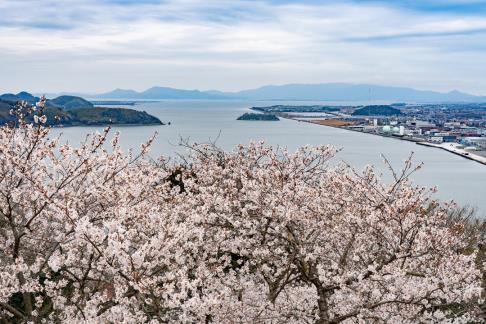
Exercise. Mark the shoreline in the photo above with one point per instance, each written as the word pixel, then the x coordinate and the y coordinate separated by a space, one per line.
pixel 452 149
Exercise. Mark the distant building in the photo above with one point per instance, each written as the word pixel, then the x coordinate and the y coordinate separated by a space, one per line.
pixel 453 124
pixel 420 124
pixel 443 139
pixel 413 132
pixel 449 138
pixel 440 133
pixel 475 141
pixel 467 131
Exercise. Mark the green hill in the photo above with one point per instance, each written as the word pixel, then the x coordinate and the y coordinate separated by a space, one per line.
pixel 69 102
pixel 84 116
pixel 377 110
pixel 65 102
pixel 103 116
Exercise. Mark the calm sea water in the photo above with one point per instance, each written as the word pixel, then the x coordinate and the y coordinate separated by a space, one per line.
pixel 457 179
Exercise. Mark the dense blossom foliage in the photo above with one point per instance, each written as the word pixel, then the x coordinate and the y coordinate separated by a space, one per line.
pixel 257 235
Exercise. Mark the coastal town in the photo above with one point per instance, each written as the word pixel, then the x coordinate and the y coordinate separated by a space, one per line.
pixel 455 127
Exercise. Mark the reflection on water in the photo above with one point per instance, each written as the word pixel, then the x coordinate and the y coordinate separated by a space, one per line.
pixel 456 178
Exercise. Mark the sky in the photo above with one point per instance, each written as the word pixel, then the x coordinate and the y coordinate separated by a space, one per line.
pixel 93 46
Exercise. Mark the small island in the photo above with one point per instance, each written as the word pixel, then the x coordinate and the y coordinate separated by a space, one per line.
pixel 75 111
pixel 258 117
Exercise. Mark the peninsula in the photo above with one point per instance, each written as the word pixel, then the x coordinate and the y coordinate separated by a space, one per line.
pixel 75 111
pixel 459 128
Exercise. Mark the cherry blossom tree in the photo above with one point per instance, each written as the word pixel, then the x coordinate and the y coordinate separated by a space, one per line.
pixel 256 235
pixel 328 243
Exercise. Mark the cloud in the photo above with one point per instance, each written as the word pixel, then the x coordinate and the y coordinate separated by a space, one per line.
pixel 234 44
pixel 418 35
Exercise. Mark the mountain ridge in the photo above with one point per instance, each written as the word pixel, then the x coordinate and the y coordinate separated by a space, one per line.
pixel 158 92
pixel 298 91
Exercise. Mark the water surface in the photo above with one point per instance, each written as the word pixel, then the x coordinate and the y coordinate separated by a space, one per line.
pixel 457 178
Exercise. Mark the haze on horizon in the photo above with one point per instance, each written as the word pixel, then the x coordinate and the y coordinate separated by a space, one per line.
pixel 94 46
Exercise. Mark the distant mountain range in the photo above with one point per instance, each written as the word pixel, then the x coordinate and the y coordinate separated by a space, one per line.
pixel 353 92
pixel 326 91
pixel 162 93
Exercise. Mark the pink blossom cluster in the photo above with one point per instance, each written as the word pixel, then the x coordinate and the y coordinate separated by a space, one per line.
pixel 91 234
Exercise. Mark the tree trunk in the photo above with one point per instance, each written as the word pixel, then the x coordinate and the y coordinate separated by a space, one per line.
pixel 323 306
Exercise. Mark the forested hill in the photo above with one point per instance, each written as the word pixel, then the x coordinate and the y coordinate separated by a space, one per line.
pixel 75 111
pixel 64 102
pixel 377 110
